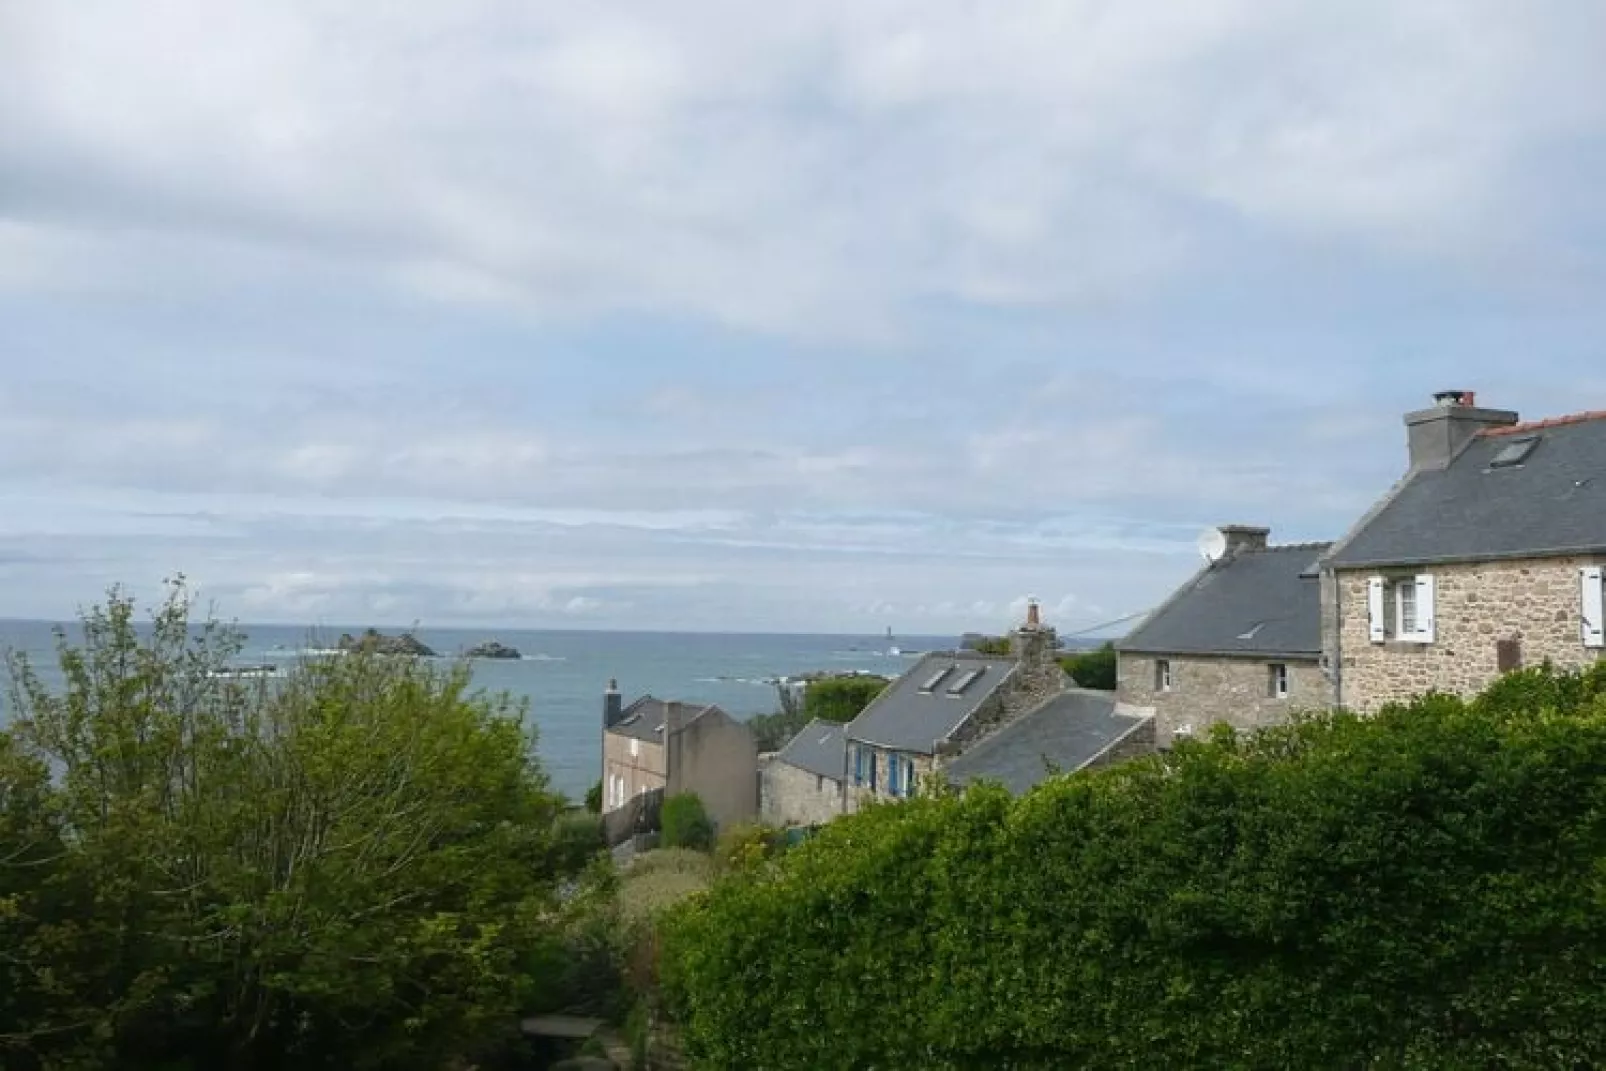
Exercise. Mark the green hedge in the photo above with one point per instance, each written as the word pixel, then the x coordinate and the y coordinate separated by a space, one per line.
pixel 686 824
pixel 1426 888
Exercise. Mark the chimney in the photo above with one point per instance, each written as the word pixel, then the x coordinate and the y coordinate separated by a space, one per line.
pixel 1437 434
pixel 613 707
pixel 1243 537
pixel 1034 644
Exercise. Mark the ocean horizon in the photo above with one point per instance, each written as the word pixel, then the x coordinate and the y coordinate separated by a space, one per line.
pixel 563 673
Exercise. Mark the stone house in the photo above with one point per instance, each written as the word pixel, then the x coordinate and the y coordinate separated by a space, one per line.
pixel 952 702
pixel 1239 643
pixel 676 747
pixel 805 783
pixel 1486 556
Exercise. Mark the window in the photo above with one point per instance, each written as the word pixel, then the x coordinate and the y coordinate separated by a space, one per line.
pixel 819 783
pixel 1277 680
pixel 1593 606
pixel 1162 675
pixel 635 747
pixel 870 756
pixel 1515 452
pixel 1508 654
pixel 936 679
pixel 958 687
pixel 858 766
pixel 1400 608
pixel 892 774
pixel 908 777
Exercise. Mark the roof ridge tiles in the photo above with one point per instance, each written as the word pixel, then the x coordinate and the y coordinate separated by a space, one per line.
pixel 1540 425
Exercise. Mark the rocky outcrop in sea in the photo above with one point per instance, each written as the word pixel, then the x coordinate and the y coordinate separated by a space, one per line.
pixel 372 641
pixel 492 649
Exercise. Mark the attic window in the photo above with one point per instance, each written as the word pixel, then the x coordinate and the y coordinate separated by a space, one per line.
pixel 936 679
pixel 1515 452
pixel 958 687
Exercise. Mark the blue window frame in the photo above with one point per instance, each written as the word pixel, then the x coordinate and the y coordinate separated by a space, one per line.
pixel 893 770
pixel 858 765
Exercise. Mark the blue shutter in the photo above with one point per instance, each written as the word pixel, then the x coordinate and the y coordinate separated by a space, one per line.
pixel 893 762
pixel 858 765
pixel 872 771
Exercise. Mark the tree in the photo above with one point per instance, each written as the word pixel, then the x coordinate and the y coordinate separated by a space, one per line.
pixel 1421 888
pixel 1093 669
pixel 594 797
pixel 351 866
pixel 686 824
pixel 840 699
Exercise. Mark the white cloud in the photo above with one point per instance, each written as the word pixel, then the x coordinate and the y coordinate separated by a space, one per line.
pixel 810 172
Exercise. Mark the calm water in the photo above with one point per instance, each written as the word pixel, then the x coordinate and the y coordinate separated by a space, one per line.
pixel 563 674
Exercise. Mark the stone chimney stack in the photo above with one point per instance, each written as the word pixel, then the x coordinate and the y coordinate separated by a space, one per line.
pixel 613 707
pixel 1243 537
pixel 1437 434
pixel 1034 644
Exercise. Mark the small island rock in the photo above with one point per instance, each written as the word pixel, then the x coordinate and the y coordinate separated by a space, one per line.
pixel 492 649
pixel 373 641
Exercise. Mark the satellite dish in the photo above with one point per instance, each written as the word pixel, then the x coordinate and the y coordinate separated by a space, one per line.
pixel 1212 544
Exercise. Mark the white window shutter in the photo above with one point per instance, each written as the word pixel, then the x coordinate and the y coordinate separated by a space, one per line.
pixel 1424 608
pixel 1374 607
pixel 1594 613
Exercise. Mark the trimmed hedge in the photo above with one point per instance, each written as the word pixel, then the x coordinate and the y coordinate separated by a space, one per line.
pixel 1424 888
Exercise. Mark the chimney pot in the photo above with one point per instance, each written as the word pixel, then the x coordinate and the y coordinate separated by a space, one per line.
pixel 1033 615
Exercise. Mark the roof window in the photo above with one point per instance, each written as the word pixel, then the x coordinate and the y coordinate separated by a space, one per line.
pixel 936 679
pixel 958 687
pixel 1514 452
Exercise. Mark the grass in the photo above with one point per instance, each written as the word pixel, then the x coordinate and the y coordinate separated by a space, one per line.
pixel 659 879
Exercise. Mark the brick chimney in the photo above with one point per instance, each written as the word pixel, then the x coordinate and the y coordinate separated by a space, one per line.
pixel 613 706
pixel 1437 434
pixel 1243 537
pixel 1035 644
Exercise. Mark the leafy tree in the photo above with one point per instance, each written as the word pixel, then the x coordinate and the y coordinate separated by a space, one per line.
pixel 686 824
pixel 840 699
pixel 352 866
pixel 594 797
pixel 1418 889
pixel 1093 669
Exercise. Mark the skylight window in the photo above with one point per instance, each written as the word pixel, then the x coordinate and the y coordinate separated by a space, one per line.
pixel 958 687
pixel 936 679
pixel 1515 452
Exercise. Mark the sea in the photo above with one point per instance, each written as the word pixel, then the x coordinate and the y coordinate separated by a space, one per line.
pixel 562 675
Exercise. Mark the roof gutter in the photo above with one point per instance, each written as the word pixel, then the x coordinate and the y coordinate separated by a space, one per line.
pixel 1465 559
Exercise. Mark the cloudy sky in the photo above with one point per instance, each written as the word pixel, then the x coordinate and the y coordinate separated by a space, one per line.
pixel 717 314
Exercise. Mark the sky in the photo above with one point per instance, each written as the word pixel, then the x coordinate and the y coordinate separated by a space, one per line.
pixel 835 316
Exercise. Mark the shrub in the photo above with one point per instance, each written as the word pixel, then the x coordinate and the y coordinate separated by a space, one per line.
pixel 840 699
pixel 576 837
pixel 1423 888
pixel 745 846
pixel 686 824
pixel 594 798
pixel 1093 669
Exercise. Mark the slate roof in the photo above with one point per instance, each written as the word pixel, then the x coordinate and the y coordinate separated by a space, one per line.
pixel 821 748
pixel 1258 602
pixel 908 719
pixel 644 719
pixel 1553 502
pixel 1068 731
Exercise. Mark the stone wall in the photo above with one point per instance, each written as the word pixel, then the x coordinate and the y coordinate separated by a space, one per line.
pixel 1206 690
pixel 793 796
pixel 858 795
pixel 1535 602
